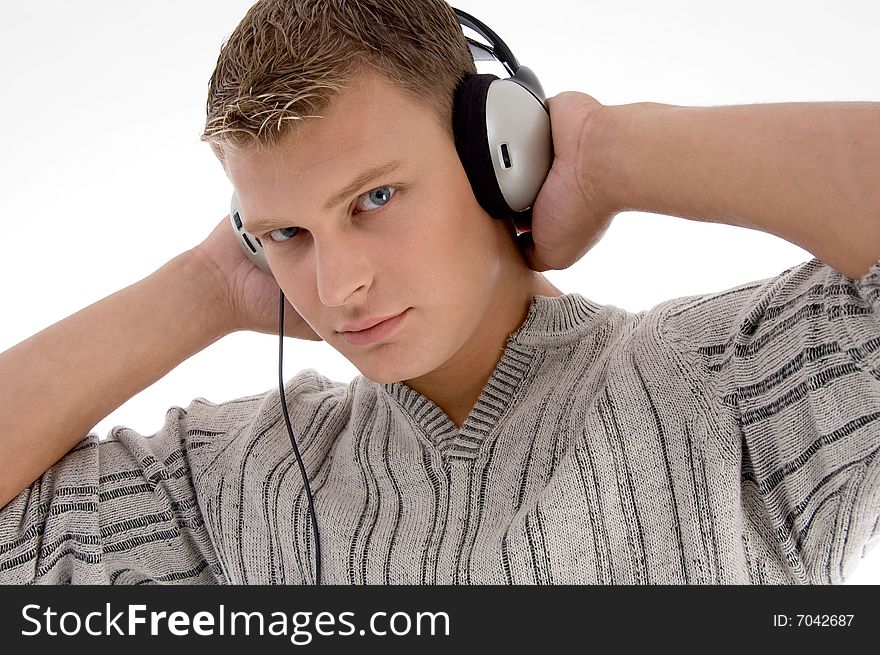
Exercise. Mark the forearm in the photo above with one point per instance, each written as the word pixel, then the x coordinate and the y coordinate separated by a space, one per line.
pixel 59 383
pixel 806 172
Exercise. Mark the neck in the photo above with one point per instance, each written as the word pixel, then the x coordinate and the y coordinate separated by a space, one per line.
pixel 456 386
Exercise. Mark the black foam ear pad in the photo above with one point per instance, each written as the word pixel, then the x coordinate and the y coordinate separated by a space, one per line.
pixel 472 143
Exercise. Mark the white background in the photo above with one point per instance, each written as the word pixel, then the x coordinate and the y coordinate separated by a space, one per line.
pixel 104 178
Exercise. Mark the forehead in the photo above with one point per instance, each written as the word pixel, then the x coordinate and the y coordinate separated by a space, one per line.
pixel 370 121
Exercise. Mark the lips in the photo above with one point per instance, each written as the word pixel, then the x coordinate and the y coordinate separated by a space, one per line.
pixel 366 323
pixel 378 330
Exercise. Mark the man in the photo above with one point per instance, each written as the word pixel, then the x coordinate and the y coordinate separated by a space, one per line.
pixel 502 431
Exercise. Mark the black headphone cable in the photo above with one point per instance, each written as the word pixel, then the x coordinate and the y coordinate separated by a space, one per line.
pixel 302 468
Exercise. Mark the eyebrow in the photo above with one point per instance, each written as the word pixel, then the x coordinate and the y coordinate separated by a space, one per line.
pixel 340 196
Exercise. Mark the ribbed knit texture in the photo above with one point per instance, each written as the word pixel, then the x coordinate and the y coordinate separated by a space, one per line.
pixel 725 438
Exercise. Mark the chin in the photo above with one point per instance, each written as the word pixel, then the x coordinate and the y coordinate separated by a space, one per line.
pixel 381 379
pixel 382 376
pixel 385 372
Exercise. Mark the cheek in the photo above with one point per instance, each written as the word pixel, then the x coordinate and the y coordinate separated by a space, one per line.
pixel 451 215
pixel 300 288
pixel 307 309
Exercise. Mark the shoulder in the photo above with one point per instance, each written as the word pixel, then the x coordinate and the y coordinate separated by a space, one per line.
pixel 301 392
pixel 809 293
pixel 807 313
pixel 230 431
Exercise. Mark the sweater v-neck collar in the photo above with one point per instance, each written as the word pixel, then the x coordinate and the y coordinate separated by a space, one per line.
pixel 549 320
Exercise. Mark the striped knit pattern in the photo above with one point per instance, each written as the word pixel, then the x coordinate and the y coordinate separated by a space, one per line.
pixel 726 438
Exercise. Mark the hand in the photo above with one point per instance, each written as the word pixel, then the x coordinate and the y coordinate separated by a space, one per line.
pixel 569 215
pixel 251 295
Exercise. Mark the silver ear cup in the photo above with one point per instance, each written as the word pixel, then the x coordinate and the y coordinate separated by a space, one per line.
pixel 249 243
pixel 519 140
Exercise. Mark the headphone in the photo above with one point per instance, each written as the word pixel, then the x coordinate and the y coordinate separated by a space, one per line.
pixel 501 128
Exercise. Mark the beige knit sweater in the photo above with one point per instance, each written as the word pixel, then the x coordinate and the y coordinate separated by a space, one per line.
pixel 726 438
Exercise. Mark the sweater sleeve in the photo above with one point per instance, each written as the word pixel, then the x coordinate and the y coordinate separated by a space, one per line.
pixel 121 510
pixel 789 371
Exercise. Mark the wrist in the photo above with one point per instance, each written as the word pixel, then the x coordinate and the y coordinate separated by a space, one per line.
pixel 604 179
pixel 595 149
pixel 203 282
pixel 620 157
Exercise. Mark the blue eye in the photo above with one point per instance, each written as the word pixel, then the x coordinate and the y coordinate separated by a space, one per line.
pixel 375 198
pixel 284 234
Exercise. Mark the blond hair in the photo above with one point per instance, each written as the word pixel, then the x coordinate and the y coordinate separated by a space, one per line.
pixel 288 59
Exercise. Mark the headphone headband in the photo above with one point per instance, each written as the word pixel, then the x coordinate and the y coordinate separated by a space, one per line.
pixel 498 49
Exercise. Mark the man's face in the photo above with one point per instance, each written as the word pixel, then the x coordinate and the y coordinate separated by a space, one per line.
pixel 368 214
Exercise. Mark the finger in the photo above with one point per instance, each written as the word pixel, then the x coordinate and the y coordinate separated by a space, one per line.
pixel 527 247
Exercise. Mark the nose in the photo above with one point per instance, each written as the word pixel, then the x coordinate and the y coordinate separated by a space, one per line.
pixel 342 269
